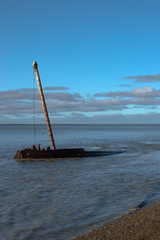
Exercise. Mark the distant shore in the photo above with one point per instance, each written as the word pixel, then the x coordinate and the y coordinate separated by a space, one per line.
pixel 141 225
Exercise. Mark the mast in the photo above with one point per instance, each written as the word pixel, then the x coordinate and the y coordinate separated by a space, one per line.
pixel 44 107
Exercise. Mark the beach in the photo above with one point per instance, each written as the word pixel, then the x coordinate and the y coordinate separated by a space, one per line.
pixel 140 225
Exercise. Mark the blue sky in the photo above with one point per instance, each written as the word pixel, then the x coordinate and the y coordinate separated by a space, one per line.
pixel 98 60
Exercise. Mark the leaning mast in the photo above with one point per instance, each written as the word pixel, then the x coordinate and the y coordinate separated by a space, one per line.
pixel 44 107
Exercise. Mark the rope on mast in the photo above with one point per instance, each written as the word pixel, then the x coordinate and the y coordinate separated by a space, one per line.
pixel 34 109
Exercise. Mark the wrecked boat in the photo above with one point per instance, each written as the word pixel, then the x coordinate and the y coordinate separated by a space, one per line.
pixel 35 152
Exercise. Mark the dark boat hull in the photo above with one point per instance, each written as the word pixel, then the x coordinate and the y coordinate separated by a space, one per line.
pixel 59 153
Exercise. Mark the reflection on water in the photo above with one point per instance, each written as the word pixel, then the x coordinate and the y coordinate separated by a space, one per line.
pixel 60 199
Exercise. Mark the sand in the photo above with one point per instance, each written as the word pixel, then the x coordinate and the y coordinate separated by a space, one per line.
pixel 141 225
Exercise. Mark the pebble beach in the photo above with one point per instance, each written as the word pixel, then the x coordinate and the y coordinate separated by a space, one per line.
pixel 140 225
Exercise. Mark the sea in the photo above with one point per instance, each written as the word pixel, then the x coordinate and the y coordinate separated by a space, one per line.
pixel 61 199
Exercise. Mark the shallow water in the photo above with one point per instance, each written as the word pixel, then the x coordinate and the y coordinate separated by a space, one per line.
pixel 61 199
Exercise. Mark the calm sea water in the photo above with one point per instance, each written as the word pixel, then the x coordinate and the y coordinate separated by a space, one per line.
pixel 61 199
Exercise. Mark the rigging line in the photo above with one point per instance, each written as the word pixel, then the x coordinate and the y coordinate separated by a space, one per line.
pixel 34 109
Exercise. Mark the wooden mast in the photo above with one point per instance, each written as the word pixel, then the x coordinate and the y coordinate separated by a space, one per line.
pixel 44 107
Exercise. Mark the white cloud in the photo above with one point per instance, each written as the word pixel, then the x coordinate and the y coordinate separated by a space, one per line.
pixel 55 88
pixel 143 91
pixel 18 104
pixel 140 92
pixel 144 78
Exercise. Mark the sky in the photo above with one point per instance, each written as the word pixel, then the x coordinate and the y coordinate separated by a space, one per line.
pixel 98 61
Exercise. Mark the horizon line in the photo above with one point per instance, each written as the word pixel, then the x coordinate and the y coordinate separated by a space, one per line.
pixel 81 124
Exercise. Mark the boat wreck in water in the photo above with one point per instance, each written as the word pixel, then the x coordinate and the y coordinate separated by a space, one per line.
pixel 29 153
pixel 38 153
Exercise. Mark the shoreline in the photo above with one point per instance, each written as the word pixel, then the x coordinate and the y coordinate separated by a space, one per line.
pixel 141 224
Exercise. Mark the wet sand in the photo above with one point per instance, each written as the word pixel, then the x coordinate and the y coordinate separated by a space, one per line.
pixel 140 225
